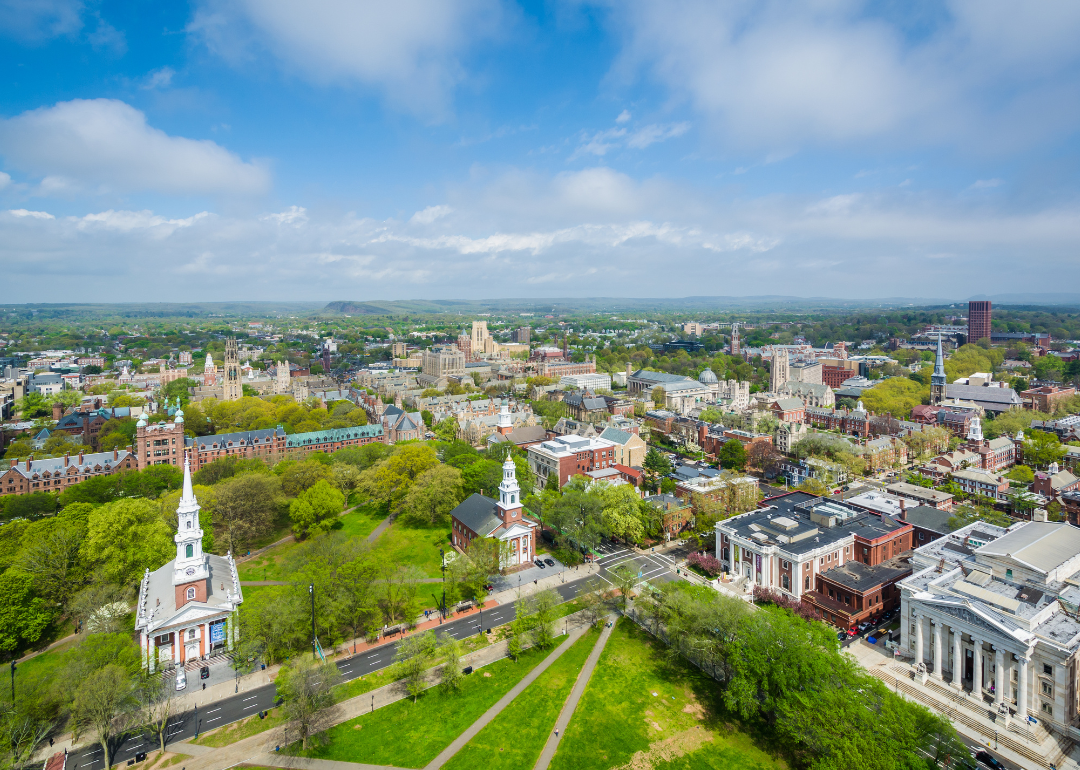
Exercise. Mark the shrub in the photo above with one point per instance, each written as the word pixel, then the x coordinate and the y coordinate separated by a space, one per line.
pixel 710 565
pixel 801 608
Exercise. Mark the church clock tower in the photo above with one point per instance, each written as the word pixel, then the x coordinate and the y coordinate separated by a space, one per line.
pixel 191 569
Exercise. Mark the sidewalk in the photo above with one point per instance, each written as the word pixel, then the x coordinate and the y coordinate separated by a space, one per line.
pixel 1028 747
pixel 570 706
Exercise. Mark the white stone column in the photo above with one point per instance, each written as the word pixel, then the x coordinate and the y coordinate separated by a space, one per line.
pixel 938 649
pixel 1022 698
pixel 918 639
pixel 976 670
pixel 958 658
pixel 177 643
pixel 999 676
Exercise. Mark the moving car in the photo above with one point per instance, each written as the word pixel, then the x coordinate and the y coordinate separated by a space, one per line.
pixel 204 672
pixel 987 759
pixel 181 679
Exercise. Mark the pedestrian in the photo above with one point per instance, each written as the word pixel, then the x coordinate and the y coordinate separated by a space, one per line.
pixel 204 685
pixel 556 732
pixel 50 743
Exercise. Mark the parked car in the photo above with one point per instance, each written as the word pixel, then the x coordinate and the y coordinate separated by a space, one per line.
pixel 987 759
pixel 539 563
pixel 841 636
pixel 853 632
pixel 204 672
pixel 549 562
pixel 181 679
pixel 864 625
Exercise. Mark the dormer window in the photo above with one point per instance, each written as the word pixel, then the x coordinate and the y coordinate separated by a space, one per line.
pixel 191 594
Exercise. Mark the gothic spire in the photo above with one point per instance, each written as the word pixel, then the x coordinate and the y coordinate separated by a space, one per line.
pixel 939 362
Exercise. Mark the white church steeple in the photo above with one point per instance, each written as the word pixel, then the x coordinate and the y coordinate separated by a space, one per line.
pixel 191 563
pixel 509 493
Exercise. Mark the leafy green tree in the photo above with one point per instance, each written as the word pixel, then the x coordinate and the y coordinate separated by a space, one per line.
pixel 623 516
pixel 24 615
pixel 246 508
pixel 813 487
pixel 346 478
pixel 451 651
pixel 625 580
pixel 546 603
pixel 481 477
pixel 1021 474
pixel 412 658
pixel 578 516
pixel 732 455
pixel 1042 448
pixel 431 498
pixel 447 429
pixel 307 689
pixel 658 397
pixel 303 476
pixel 316 509
pixel 51 555
pixel 127 537
pixel 273 624
pixel 388 480
pixel 656 462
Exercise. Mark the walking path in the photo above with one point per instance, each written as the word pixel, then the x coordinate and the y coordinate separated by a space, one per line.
pixel 568 708
pixel 57 643
pixel 303 763
pixel 491 713
pixel 383 526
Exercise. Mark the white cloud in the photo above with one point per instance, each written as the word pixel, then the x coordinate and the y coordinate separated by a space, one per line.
pixel 105 144
pixel 410 50
pixel 33 21
pixel 5 180
pixel 652 134
pixel 32 214
pixel 624 117
pixel 294 215
pixel 984 73
pixel 430 214
pixel 161 78
pixel 985 184
pixel 107 37
pixel 601 142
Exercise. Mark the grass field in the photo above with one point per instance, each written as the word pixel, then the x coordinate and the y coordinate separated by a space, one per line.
pixel 418 546
pixel 236 731
pixel 640 709
pixel 515 737
pixel 272 564
pixel 405 734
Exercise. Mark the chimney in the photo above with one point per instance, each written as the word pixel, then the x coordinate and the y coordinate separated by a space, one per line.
pixel 903 510
pixel 80 458
pixel 14 463
pixel 67 459
pixel 57 410
pixel 115 454
pixel 29 463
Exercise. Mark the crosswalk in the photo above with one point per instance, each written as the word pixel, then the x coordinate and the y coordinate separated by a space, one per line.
pixel 647 565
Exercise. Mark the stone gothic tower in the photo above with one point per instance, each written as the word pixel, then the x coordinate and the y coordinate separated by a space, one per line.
pixel 736 347
pixel 281 382
pixel 779 369
pixel 232 391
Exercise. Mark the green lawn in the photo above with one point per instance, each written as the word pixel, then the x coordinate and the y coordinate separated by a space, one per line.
pixel 619 720
pixel 245 728
pixel 271 565
pixel 419 546
pixel 405 734
pixel 515 737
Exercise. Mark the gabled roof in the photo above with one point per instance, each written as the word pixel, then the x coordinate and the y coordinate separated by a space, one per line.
pixel 620 437
pixel 928 517
pixel 478 514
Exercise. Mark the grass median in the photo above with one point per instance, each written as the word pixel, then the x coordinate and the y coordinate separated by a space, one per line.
pixel 515 738
pixel 643 710
pixel 407 734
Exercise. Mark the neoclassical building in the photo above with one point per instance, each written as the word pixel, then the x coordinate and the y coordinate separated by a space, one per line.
pixel 992 613
pixel 187 608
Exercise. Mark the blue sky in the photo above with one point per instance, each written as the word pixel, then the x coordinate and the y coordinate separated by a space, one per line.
pixel 261 149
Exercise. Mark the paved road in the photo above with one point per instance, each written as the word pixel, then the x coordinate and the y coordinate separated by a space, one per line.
pixel 650 567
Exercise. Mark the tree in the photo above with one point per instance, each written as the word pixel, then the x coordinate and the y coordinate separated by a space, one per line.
pixel 451 651
pixel 431 498
pixel 400 584
pixel 625 580
pixel 307 689
pixel 732 455
pixel 316 509
pixel 359 596
pixel 50 555
pixel 966 514
pixel 1021 474
pixel 104 703
pixel 1042 448
pixel 545 603
pixel 246 507
pixel 485 557
pixel 658 397
pixel 656 462
pixel 593 608
pixel 896 396
pixel 303 476
pixel 388 480
pixel 412 658
pixel 158 695
pixel 346 478
pixel 578 516
pixel 101 607
pixel 24 615
pixel 447 429
pixel 21 731
pixel 126 538
pixel 622 512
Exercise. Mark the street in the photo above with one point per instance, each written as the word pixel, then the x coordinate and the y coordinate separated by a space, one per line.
pixel 650 567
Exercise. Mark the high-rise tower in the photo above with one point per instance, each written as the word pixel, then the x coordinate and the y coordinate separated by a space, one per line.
pixel 937 379
pixel 779 369
pixel 978 320
pixel 735 342
pixel 232 390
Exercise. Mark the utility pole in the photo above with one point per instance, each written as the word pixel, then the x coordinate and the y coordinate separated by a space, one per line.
pixel 12 682
pixel 442 556
pixel 314 642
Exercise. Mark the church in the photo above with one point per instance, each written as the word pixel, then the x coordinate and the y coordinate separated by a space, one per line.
pixel 188 608
pixel 503 519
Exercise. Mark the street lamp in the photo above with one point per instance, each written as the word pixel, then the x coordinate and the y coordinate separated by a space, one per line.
pixel 314 643
pixel 12 682
pixel 442 556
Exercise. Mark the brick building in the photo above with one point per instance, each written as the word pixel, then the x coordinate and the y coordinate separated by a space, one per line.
pixel 566 456
pixel 24 477
pixel 979 312
pixel 1046 398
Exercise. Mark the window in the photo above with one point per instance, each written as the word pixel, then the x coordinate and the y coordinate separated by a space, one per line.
pixel 189 551
pixel 1048 669
pixel 1008 574
pixel 1048 708
pixel 189 525
pixel 1047 689
pixel 785 582
pixel 191 634
pixel 807 582
pixel 191 593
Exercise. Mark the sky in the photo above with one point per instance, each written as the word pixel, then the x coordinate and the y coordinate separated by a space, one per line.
pixel 349 150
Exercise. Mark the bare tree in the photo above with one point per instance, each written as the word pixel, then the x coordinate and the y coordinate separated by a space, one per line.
pixel 104 702
pixel 246 507
pixel 101 606
pixel 158 696
pixel 20 733
pixel 412 658
pixel 308 692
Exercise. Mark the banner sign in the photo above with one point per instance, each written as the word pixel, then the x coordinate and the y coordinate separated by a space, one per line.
pixel 217 632
pixel 757 561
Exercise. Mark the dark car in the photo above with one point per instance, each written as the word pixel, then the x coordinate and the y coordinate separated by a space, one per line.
pixel 539 563
pixel 204 672
pixel 549 562
pixel 841 636
pixel 987 759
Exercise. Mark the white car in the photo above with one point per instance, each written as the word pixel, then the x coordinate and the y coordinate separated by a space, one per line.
pixel 181 679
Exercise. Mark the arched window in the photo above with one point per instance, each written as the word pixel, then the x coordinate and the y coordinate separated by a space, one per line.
pixel 189 525
pixel 189 551
pixel 513 498
pixel 191 593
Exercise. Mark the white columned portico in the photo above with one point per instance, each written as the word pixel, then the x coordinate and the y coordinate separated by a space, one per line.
pixel 939 649
pixel 957 658
pixel 976 669
pixel 999 676
pixel 918 639
pixel 1022 676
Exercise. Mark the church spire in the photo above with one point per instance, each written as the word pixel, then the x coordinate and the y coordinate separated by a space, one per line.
pixel 938 378
pixel 191 563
